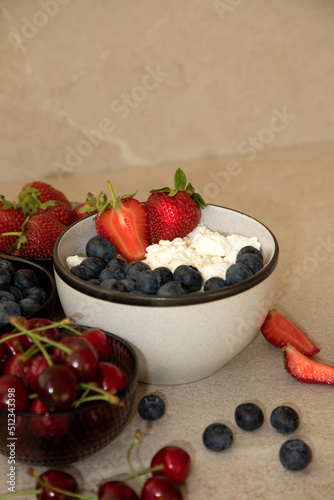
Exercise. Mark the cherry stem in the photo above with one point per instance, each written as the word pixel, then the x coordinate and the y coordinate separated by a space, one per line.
pixel 20 493
pixel 43 351
pixel 134 442
pixel 101 395
pixel 144 472
pixel 34 474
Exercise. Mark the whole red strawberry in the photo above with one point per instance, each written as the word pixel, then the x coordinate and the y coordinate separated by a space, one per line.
pixel 11 220
pixel 39 236
pixel 173 213
pixel 123 221
pixel 85 208
pixel 58 210
pixel 44 191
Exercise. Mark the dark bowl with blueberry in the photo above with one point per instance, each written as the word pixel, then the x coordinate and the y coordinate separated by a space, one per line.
pixel 26 289
pixel 178 337
pixel 64 412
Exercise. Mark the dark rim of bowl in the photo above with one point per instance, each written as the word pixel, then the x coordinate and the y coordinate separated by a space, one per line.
pixel 121 393
pixel 33 265
pixel 142 299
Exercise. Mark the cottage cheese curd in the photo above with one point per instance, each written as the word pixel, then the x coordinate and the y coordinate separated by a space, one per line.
pixel 209 251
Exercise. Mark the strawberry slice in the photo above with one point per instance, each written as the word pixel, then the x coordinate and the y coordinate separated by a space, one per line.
pixel 124 222
pixel 305 369
pixel 280 331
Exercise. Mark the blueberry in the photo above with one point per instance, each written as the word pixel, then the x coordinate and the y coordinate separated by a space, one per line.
pixel 118 263
pixel 217 437
pixel 135 268
pixel 189 277
pixel 129 284
pixel 253 261
pixel 6 264
pixel 249 249
pixel 237 272
pixel 98 246
pixel 5 278
pixel 214 283
pixel 248 416
pixel 36 292
pixel 5 295
pixel 295 454
pixel 148 281
pixel 111 272
pixel 151 407
pixel 16 292
pixel 8 308
pixel 284 419
pixel 165 274
pixel 83 272
pixel 23 278
pixel 94 281
pixel 112 284
pixel 94 263
pixel 172 288
pixel 28 306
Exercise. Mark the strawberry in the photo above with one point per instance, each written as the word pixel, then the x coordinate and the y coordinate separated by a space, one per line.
pixel 280 331
pixel 123 221
pixel 11 219
pixel 57 210
pixel 44 192
pixel 173 213
pixel 305 369
pixel 86 208
pixel 39 236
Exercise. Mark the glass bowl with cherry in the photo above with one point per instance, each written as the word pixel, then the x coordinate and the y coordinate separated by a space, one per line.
pixel 66 390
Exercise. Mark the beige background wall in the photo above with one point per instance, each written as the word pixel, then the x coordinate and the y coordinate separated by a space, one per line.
pixel 107 84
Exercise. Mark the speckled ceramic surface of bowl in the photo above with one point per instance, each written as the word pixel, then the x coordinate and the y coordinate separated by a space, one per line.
pixel 177 339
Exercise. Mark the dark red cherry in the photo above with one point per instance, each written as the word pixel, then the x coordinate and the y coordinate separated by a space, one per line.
pixel 116 490
pixel 14 344
pixel 100 341
pixel 110 377
pixel 57 387
pixel 176 463
pixel 59 479
pixel 83 359
pixel 35 367
pixel 17 365
pixel 48 426
pixel 5 354
pixel 13 393
pixel 160 487
pixel 31 324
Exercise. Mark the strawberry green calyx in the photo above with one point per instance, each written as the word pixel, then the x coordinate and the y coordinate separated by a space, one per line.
pixel 103 204
pixel 180 185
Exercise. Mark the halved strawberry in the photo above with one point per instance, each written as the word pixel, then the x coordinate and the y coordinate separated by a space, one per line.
pixel 123 221
pixel 305 369
pixel 280 331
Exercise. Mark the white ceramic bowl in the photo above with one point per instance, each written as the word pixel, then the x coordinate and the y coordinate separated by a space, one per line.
pixel 177 339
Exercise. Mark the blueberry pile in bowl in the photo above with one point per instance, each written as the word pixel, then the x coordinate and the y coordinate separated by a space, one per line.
pixel 26 289
pixel 66 393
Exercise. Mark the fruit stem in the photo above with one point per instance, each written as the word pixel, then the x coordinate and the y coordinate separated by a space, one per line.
pixel 112 192
pixel 101 395
pixel 35 475
pixel 134 442
pixel 144 472
pixel 20 493
pixel 43 351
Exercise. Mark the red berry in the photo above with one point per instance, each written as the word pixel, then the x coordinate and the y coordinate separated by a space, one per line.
pixel 110 377
pixel 160 487
pixel 13 393
pixel 59 479
pixel 36 366
pixel 17 365
pixel 83 360
pixel 57 387
pixel 48 426
pixel 100 341
pixel 305 369
pixel 32 324
pixel 116 490
pixel 176 463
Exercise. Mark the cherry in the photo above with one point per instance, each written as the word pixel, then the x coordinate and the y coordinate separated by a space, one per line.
pixel 35 367
pixel 17 365
pixel 57 387
pixel 83 359
pixel 116 490
pixel 175 461
pixel 5 354
pixel 48 426
pixel 13 393
pixel 59 479
pixel 110 377
pixel 100 341
pixel 14 344
pixel 160 487
pixel 32 324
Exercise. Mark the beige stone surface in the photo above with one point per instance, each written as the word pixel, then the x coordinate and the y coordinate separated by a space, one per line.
pixel 99 85
pixel 291 191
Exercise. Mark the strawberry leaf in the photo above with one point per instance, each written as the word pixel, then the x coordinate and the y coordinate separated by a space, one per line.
pixel 180 180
